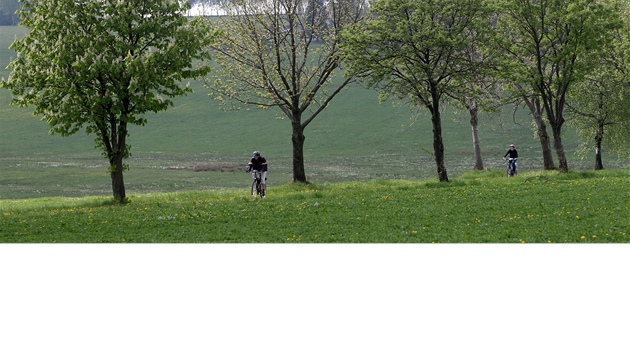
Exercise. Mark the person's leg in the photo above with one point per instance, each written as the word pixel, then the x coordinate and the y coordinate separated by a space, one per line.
pixel 263 179
pixel 515 167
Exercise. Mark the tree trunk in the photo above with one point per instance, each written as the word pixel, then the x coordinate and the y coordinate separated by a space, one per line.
pixel 557 144
pixel 554 110
pixel 598 147
pixel 118 184
pixel 438 145
pixel 474 121
pixel 541 129
pixel 116 151
pixel 299 174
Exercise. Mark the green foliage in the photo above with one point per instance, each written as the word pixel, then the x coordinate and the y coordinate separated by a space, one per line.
pixel 551 45
pixel 81 64
pixel 104 64
pixel 600 105
pixel 600 110
pixel 419 52
pixel 554 207
pixel 409 48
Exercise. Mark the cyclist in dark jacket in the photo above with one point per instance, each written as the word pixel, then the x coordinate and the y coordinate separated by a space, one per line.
pixel 258 163
pixel 513 155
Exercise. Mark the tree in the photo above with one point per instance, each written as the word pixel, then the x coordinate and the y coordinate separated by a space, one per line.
pixel 282 53
pixel 536 108
pixel 554 42
pixel 102 65
pixel 515 77
pixel 480 91
pixel 417 51
pixel 599 107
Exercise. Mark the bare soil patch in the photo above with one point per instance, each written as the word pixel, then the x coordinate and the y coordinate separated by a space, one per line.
pixel 206 167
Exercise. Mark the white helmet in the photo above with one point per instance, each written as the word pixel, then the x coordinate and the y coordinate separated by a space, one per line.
pixel 256 153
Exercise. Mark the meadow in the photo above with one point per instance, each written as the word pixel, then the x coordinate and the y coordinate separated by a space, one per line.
pixel 480 207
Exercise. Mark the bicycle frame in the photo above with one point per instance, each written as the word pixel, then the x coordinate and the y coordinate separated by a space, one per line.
pixel 511 169
pixel 257 185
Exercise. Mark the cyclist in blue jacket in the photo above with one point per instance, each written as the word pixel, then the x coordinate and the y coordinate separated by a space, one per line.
pixel 258 163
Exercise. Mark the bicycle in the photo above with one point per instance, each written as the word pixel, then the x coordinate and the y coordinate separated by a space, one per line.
pixel 257 185
pixel 511 169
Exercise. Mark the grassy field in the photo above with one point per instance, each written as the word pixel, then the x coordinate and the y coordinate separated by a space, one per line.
pixel 194 146
pixel 478 207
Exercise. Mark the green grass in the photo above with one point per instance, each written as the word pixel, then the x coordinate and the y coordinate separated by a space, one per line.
pixel 580 207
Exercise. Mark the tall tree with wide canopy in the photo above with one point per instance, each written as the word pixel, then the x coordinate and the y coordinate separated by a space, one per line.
pixel 554 42
pixel 102 65
pixel 418 51
pixel 282 53
pixel 599 107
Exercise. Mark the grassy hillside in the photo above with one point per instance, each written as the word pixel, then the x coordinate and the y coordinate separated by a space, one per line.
pixel 196 146
pixel 478 207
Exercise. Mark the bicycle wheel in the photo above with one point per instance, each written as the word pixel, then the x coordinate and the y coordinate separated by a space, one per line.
pixel 255 188
pixel 511 172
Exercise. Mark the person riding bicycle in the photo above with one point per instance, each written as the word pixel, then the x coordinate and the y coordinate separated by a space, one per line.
pixel 258 163
pixel 513 155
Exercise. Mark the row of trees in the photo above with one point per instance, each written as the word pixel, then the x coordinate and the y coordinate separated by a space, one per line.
pixel 103 64
pixel 473 53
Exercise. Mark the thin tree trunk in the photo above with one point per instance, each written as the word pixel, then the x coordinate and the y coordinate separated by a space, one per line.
pixel 438 144
pixel 438 147
pixel 598 147
pixel 299 174
pixel 474 123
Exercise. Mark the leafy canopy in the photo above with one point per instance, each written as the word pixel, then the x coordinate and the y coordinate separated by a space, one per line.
pixel 415 49
pixel 96 63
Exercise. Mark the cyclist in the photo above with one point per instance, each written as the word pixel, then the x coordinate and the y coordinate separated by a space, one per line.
pixel 513 155
pixel 258 163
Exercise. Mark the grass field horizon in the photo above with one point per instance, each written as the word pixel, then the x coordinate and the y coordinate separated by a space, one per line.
pixel 196 146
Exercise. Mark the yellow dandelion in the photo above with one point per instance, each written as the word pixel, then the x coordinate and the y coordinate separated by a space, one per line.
pixel 582 237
